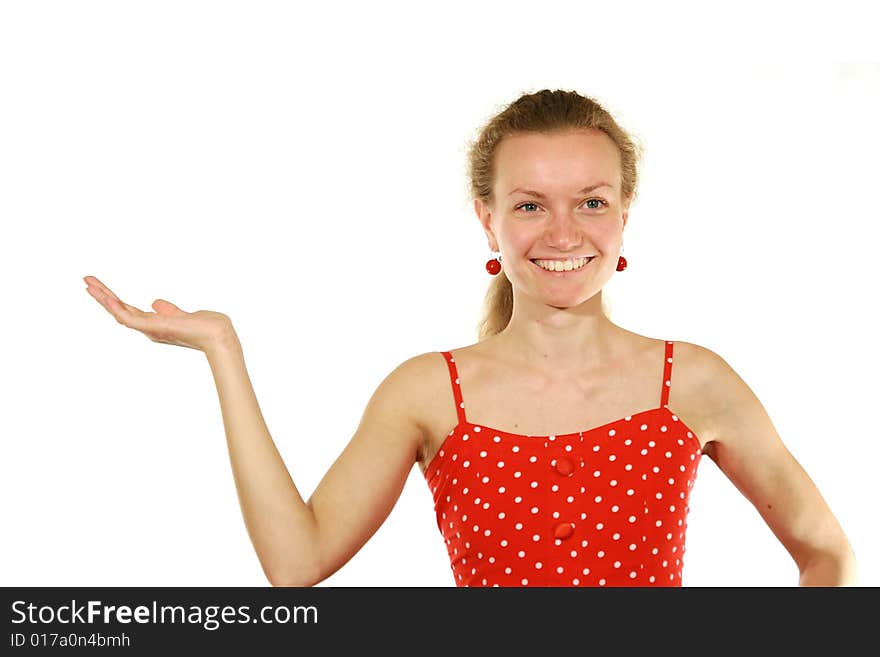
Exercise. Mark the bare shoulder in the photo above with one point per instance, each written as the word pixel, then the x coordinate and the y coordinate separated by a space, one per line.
pixel 699 377
pixel 417 383
pixel 413 379
pixel 713 386
pixel 712 376
pixel 426 375
pixel 424 381
pixel 698 361
pixel 420 374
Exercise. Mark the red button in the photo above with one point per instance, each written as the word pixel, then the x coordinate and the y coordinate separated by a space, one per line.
pixel 563 530
pixel 564 466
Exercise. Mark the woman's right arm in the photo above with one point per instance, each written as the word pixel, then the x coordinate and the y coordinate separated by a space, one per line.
pixel 302 543
pixel 281 525
pixel 298 543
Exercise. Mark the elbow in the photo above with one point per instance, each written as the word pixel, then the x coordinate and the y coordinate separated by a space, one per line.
pixel 304 571
pixel 286 580
pixel 290 583
pixel 299 576
pixel 836 568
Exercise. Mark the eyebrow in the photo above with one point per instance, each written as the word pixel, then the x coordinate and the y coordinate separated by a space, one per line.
pixel 588 188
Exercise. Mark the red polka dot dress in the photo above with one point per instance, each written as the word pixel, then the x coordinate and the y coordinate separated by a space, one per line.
pixel 601 507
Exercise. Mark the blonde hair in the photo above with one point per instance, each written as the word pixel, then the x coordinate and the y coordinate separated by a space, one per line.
pixel 543 111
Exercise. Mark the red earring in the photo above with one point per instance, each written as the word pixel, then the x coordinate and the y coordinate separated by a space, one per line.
pixel 493 265
pixel 621 261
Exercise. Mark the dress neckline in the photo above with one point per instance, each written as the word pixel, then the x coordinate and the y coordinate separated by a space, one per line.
pixel 624 418
pixel 457 431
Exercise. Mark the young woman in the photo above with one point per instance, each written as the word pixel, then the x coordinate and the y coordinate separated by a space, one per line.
pixel 560 448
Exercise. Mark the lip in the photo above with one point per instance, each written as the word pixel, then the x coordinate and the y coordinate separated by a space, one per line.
pixel 564 273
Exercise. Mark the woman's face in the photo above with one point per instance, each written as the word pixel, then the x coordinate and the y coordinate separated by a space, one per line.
pixel 557 198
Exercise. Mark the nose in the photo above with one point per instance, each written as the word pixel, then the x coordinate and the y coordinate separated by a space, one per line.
pixel 563 233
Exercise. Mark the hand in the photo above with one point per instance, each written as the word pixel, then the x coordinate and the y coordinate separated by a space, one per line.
pixel 200 330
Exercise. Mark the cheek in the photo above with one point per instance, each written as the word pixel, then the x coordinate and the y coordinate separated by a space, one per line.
pixel 606 237
pixel 518 241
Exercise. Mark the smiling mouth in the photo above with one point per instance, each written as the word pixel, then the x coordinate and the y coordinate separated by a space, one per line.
pixel 562 266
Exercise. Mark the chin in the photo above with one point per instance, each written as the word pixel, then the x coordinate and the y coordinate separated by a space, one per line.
pixel 564 304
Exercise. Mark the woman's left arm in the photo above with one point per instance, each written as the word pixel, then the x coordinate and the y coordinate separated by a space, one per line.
pixel 749 451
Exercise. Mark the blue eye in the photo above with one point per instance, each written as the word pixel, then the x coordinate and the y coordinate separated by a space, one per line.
pixel 603 203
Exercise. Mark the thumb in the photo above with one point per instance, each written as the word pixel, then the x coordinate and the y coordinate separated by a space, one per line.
pixel 161 304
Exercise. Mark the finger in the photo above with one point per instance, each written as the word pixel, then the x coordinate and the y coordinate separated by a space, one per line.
pixel 124 314
pixel 131 310
pixel 96 292
pixel 106 292
pixel 113 306
pixel 107 300
pixel 98 295
pixel 92 281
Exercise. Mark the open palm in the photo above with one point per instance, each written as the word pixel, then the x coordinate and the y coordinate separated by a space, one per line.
pixel 169 324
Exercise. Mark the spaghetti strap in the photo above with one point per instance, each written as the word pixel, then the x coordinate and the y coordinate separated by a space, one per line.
pixel 667 375
pixel 456 389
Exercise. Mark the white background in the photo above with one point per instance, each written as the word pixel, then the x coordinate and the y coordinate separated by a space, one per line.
pixel 304 173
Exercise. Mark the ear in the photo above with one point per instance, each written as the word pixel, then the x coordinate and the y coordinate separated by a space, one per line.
pixel 625 213
pixel 484 214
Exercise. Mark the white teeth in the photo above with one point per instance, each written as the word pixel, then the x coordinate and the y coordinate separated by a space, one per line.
pixel 561 265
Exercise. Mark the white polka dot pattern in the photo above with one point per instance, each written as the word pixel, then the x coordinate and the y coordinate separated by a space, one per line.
pixel 601 507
